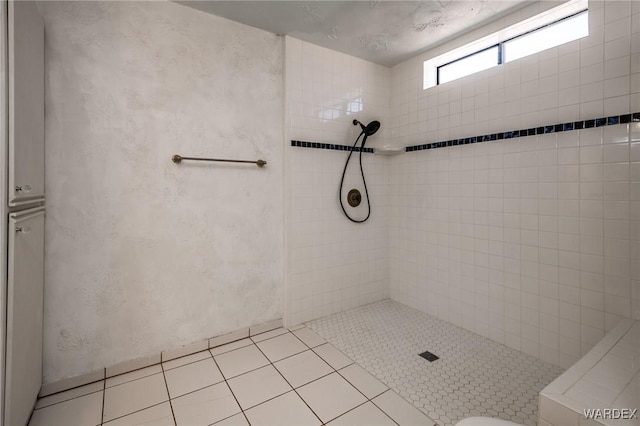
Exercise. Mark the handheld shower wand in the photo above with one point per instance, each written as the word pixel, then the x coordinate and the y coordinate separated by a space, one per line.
pixel 368 130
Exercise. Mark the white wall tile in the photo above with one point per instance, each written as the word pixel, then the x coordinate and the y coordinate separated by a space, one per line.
pixel 564 209
pixel 334 264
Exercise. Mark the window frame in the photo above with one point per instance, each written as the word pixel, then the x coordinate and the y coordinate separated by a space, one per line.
pixel 477 52
pixel 501 50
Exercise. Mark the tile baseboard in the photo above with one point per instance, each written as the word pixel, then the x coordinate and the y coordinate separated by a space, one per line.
pixel 185 350
pixel 72 382
pixel 264 327
pixel 229 337
pixel 135 364
pixel 127 366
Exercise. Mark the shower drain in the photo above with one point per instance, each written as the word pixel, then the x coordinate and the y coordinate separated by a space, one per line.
pixel 429 356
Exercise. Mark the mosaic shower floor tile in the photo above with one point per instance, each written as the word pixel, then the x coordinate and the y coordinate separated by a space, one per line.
pixel 474 376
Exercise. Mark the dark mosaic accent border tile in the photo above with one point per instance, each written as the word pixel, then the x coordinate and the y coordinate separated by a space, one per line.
pixel 554 128
pixel 318 145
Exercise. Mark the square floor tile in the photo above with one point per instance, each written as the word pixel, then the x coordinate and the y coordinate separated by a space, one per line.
pixel 332 356
pixel 363 381
pixel 240 361
pixel 158 415
pixel 192 377
pixel 205 406
pixel 184 360
pixel 237 420
pixel 134 396
pixel 285 410
pixel 302 368
pixel 281 347
pixel 331 396
pixel 230 346
pixel 133 375
pixel 364 415
pixel 400 410
pixel 70 394
pixel 309 337
pixel 83 411
pixel 258 386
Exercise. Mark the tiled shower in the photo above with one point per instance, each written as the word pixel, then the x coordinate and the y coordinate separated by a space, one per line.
pixel 531 241
pixel 333 265
pixel 513 213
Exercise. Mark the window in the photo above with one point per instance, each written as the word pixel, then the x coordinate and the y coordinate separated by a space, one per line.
pixel 554 27
pixel 561 32
pixel 469 64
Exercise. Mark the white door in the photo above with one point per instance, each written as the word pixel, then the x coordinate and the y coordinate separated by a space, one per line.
pixel 26 103
pixel 25 288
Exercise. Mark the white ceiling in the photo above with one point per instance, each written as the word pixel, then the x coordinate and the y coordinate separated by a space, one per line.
pixel 384 32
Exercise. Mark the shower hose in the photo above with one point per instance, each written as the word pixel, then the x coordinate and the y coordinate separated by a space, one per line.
pixel 364 181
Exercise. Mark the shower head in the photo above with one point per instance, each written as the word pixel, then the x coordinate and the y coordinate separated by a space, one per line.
pixel 370 129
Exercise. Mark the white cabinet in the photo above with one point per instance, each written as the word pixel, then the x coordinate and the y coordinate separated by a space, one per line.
pixel 25 289
pixel 26 103
pixel 22 149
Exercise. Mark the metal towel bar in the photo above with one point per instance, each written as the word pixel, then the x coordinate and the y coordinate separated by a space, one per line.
pixel 178 158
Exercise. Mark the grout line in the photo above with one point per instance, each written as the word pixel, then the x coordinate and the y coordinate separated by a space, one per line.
pixel 272 337
pixel 242 374
pixel 254 369
pixel 228 417
pixel 132 380
pixel 349 381
pixel 188 363
pixel 231 350
pixel 168 395
pixel 385 413
pixel 222 344
pixel 70 389
pixel 196 390
pixel 294 389
pixel 232 394
pixel 67 400
pixel 266 400
pixel 345 366
pixel 134 412
pixel 104 396
pixel 269 338
pixel 348 411
pixel 328 374
pixel 314 380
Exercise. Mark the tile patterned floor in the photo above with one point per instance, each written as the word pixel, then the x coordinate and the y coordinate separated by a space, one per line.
pixel 280 377
pixel 473 377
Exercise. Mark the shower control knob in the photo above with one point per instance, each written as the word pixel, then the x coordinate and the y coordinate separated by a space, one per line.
pixel 354 198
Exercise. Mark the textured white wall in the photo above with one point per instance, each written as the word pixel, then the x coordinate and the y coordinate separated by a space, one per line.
pixel 333 264
pixel 533 242
pixel 142 254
